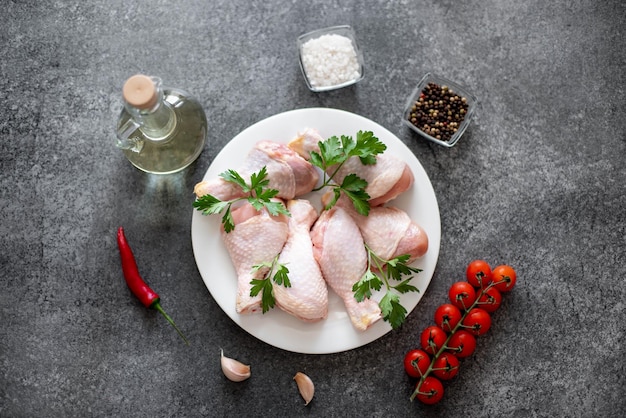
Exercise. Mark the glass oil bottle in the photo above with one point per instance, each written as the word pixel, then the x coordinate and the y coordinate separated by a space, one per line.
pixel 161 130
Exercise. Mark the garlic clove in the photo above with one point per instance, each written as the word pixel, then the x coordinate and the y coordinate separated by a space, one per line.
pixel 305 386
pixel 234 370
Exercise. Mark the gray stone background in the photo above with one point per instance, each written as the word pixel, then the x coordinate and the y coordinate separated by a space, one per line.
pixel 538 182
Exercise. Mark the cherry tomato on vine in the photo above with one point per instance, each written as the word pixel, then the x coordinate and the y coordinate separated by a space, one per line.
pixel 462 295
pixel 416 363
pixel 430 391
pixel 462 344
pixel 447 316
pixel 432 339
pixel 490 300
pixel 446 366
pixel 504 276
pixel 477 321
pixel 478 274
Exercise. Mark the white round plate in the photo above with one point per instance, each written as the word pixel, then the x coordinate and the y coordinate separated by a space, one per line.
pixel 277 328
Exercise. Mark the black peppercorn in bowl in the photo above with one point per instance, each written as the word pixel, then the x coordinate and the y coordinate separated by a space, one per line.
pixel 439 110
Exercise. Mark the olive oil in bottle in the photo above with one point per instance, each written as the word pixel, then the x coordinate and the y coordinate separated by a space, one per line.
pixel 161 130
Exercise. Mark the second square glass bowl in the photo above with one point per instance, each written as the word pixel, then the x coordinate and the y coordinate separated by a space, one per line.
pixel 439 110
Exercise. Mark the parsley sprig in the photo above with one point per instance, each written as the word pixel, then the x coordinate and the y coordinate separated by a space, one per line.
pixel 389 272
pixel 334 152
pixel 277 273
pixel 256 193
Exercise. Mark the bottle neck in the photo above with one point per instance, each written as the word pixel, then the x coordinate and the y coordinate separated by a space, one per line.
pixel 157 122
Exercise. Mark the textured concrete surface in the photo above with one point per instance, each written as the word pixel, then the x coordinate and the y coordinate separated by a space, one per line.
pixel 538 182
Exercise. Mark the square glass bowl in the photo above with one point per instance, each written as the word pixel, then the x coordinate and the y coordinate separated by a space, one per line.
pixel 461 125
pixel 331 60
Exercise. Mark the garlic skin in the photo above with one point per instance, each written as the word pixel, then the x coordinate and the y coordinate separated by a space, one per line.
pixel 305 386
pixel 234 370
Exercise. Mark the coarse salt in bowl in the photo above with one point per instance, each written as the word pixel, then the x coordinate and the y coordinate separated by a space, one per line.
pixel 330 58
pixel 449 134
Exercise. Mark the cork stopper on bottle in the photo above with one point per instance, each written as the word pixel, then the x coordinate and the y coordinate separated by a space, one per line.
pixel 139 91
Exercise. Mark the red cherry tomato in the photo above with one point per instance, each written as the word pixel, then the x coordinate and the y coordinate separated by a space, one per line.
pixel 416 363
pixel 478 274
pixel 430 391
pixel 490 300
pixel 477 321
pixel 432 339
pixel 462 295
pixel 504 276
pixel 447 316
pixel 462 344
pixel 446 366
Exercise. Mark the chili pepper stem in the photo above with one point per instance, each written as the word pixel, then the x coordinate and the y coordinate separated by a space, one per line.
pixel 156 305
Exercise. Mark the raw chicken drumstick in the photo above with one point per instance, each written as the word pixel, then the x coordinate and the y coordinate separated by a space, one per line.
pixel 339 250
pixel 257 238
pixel 287 172
pixel 386 179
pixel 307 298
pixel 388 231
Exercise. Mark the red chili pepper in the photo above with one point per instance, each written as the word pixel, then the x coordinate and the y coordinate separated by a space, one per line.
pixel 136 284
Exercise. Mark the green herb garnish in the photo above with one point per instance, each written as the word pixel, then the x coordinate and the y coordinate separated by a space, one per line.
pixel 334 152
pixel 277 273
pixel 256 193
pixel 388 271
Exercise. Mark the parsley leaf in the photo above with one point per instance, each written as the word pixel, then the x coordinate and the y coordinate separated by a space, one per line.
pixel 209 205
pixel 334 152
pixel 281 277
pixel 391 309
pixel 363 288
pixel 228 221
pixel 354 187
pixel 259 180
pixel 386 270
pixel 405 287
pixel 234 177
pixel 277 273
pixel 397 267
pixel 368 146
pixel 263 286
pixel 257 194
